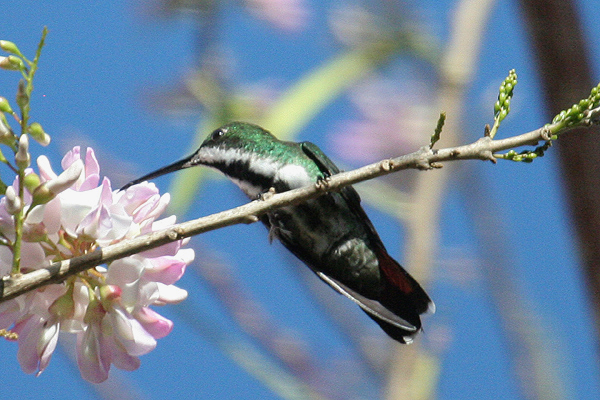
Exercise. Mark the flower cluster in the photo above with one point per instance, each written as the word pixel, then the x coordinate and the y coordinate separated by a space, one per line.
pixel 107 307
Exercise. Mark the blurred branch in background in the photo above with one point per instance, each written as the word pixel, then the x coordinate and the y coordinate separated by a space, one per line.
pixel 540 371
pixel 455 73
pixel 248 356
pixel 563 63
pixel 284 345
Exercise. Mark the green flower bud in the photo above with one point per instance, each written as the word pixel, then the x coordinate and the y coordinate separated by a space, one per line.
pixel 35 129
pixel 9 47
pixel 5 105
pixel 575 109
pixel 31 181
pixel 11 63
pixel 6 134
pixel 37 133
pixel 560 117
pixel 41 195
pixel 503 114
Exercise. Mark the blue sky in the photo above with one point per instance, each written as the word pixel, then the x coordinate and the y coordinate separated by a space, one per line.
pixel 101 64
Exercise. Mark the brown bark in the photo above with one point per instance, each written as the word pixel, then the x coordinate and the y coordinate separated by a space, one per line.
pixel 559 45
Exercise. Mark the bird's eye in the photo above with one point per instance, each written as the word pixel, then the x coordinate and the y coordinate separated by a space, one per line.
pixel 216 135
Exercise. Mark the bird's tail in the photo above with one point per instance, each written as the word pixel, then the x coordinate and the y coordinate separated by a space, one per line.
pixel 399 305
pixel 403 296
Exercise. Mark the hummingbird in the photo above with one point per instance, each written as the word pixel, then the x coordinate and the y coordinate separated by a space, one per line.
pixel 331 234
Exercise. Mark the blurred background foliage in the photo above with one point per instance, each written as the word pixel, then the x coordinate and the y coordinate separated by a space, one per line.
pixel 508 252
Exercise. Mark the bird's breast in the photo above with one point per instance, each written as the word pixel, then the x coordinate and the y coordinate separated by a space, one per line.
pixel 293 176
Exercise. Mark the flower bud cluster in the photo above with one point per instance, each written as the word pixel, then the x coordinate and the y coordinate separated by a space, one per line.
pixel 19 144
pixel 14 61
pixel 524 156
pixel 505 93
pixel 579 112
pixel 108 307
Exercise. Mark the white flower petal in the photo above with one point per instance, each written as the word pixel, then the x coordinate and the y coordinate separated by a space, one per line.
pixel 170 294
pixel 93 357
pixel 129 332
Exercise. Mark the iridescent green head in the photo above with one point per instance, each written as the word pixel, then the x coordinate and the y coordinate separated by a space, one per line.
pixel 236 144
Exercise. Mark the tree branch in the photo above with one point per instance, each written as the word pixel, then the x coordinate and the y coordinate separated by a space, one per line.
pixel 425 158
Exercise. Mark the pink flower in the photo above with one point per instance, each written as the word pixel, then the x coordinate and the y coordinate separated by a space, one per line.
pixel 37 341
pixel 108 308
pixel 127 332
pixel 289 15
pixel 154 323
pixel 94 363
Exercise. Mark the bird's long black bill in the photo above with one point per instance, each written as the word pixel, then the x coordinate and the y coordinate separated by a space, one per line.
pixel 176 166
